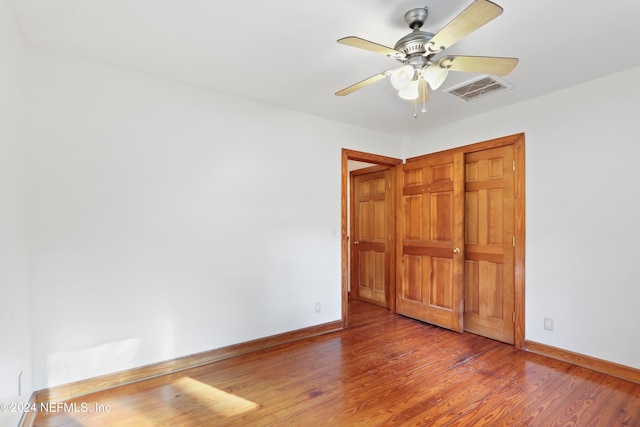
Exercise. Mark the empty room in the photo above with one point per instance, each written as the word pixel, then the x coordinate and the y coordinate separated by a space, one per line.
pixel 319 213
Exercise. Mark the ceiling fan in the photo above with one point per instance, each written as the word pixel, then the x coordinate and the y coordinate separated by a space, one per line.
pixel 418 49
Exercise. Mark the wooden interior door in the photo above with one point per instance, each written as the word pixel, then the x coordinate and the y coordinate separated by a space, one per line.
pixel 489 243
pixel 430 281
pixel 370 247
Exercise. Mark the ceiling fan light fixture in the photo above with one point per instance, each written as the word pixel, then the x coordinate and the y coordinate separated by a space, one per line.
pixel 401 77
pixel 434 75
pixel 410 93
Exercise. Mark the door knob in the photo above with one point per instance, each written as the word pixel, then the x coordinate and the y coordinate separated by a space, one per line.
pixel 356 243
pixel 456 250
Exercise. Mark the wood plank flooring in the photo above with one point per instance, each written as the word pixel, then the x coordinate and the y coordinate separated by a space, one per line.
pixel 385 370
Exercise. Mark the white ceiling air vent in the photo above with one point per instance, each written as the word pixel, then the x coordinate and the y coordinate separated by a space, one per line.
pixel 479 88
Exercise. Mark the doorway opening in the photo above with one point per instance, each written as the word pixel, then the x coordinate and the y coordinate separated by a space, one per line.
pixel 349 157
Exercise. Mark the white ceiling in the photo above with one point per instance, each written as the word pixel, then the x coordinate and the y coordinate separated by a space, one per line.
pixel 284 52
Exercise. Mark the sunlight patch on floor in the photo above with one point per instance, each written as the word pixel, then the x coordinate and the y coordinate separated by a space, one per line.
pixel 223 403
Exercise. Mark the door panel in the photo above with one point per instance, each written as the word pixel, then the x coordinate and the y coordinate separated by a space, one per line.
pixel 430 225
pixel 489 251
pixel 370 248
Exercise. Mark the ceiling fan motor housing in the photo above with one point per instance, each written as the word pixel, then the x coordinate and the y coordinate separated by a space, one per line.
pixel 415 44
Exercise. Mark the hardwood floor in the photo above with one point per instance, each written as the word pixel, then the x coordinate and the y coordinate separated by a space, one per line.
pixel 385 370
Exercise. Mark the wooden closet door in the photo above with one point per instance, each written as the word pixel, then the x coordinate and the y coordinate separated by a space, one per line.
pixel 489 243
pixel 430 272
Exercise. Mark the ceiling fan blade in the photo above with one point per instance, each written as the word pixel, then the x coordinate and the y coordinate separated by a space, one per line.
pixel 363 83
pixel 423 93
pixel 479 64
pixel 370 46
pixel 473 17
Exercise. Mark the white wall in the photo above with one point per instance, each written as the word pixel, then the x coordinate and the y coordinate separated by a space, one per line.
pixel 582 210
pixel 168 220
pixel 15 332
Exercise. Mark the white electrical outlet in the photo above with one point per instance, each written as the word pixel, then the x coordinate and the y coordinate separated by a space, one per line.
pixel 317 307
pixel 548 324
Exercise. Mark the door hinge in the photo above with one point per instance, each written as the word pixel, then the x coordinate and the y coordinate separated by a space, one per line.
pixel 514 165
pixel 513 241
pixel 514 317
pixel 389 184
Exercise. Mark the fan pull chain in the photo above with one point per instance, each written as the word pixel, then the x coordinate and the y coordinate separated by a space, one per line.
pixel 424 98
pixel 424 103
